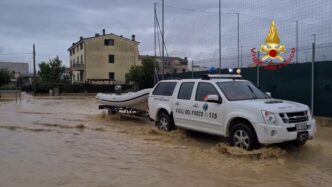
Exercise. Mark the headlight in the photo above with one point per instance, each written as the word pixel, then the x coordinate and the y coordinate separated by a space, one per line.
pixel 269 117
pixel 310 116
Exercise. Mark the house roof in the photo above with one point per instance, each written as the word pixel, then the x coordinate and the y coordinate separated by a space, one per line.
pixel 183 61
pixel 93 37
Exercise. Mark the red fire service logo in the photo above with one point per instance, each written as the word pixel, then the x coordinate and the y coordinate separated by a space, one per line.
pixel 272 51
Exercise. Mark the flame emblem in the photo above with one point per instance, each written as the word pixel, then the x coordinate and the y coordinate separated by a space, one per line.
pixel 273 48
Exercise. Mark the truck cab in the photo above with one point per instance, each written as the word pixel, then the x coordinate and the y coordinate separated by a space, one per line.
pixel 229 106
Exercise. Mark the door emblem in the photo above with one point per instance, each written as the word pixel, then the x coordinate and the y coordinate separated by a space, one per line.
pixel 205 107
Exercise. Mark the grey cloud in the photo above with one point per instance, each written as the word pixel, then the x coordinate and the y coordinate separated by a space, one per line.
pixel 191 27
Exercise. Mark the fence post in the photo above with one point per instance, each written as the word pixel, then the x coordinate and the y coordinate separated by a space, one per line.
pixel 313 74
pixel 257 67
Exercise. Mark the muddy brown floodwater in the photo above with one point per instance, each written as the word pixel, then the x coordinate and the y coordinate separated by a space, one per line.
pixel 67 141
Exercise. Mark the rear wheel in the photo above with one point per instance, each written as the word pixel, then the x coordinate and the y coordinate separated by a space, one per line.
pixel 164 122
pixel 242 136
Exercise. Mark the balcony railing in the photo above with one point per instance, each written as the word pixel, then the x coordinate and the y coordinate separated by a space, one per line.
pixel 78 67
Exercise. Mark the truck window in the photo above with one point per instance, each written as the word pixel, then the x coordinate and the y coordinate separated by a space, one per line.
pixel 186 90
pixel 164 89
pixel 204 89
pixel 241 90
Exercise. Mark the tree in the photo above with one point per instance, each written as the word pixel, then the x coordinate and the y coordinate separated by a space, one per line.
pixel 5 76
pixel 143 76
pixel 149 66
pixel 135 75
pixel 52 71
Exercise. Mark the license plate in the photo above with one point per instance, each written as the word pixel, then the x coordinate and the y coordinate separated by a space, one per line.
pixel 301 126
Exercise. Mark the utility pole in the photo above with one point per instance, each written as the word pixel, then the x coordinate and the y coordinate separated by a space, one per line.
pixel 241 57
pixel 34 69
pixel 238 40
pixel 155 33
pixel 219 37
pixel 163 42
pixel 155 42
pixel 192 69
pixel 297 41
pixel 313 74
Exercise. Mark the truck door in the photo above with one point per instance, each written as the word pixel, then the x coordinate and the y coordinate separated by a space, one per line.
pixel 182 105
pixel 207 116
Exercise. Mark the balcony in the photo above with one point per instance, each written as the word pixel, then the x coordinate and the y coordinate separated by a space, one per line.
pixel 78 67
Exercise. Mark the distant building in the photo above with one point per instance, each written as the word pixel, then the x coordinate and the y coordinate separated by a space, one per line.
pixel 16 68
pixel 198 68
pixel 105 57
pixel 171 64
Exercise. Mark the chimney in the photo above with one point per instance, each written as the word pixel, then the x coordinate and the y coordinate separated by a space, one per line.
pixel 133 37
pixel 104 32
pixel 81 38
pixel 96 35
pixel 73 44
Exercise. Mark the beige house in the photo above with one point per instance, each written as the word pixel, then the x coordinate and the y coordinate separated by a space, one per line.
pixel 171 64
pixel 104 58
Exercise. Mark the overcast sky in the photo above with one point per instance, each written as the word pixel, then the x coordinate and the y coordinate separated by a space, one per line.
pixel 191 28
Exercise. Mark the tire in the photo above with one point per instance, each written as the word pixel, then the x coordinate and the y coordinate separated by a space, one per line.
pixel 301 140
pixel 297 143
pixel 242 136
pixel 164 122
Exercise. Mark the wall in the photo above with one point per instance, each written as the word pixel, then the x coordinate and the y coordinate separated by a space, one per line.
pixel 97 65
pixel 22 68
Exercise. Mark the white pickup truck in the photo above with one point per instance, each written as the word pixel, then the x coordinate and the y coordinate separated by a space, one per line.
pixel 229 106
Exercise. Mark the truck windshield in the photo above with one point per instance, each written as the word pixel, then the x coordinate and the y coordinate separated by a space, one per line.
pixel 241 90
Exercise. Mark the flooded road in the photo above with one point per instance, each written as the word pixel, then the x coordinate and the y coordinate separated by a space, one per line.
pixel 67 141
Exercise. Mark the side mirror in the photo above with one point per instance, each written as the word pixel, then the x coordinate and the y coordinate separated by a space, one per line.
pixel 268 93
pixel 214 99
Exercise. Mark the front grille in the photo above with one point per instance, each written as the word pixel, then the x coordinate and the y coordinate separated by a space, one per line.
pixel 294 117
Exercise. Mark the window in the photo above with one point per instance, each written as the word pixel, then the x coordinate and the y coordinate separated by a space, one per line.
pixel 70 52
pixel 78 60
pixel 175 71
pixel 111 76
pixel 241 90
pixel 183 70
pixel 73 61
pixel 186 90
pixel 81 46
pixel 74 50
pixel 77 48
pixel 111 59
pixel 109 42
pixel 164 88
pixel 82 59
pixel 204 89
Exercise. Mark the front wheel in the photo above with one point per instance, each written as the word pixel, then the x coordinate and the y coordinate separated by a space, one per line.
pixel 301 139
pixel 164 122
pixel 243 137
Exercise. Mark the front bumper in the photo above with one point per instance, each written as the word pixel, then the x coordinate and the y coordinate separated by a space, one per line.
pixel 269 134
